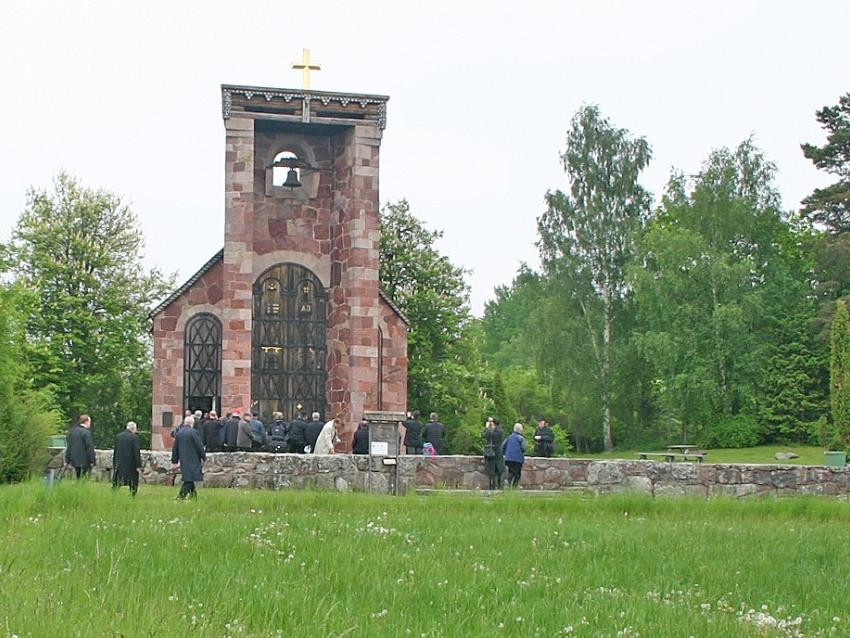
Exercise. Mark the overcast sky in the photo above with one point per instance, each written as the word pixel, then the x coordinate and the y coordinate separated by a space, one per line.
pixel 125 95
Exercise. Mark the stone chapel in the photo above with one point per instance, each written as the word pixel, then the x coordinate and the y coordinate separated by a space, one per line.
pixel 289 315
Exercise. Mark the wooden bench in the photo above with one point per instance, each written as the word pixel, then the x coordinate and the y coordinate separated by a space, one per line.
pixel 672 456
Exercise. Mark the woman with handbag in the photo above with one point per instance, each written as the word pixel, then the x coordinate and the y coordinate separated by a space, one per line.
pixel 494 461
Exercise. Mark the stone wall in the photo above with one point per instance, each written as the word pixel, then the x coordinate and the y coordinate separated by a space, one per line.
pixel 346 472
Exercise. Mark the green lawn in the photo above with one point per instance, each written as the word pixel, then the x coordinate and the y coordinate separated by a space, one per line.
pixel 81 560
pixel 809 455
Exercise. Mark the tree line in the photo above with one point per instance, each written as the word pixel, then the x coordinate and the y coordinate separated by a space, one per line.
pixel 703 318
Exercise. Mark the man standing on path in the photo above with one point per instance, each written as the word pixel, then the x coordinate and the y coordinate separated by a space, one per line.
pixel 79 453
pixel 127 459
pixel 188 453
pixel 433 433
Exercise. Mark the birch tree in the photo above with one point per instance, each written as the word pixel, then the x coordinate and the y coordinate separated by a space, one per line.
pixel 586 234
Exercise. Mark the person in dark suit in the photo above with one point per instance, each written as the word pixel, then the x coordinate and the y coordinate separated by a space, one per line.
pixel 494 460
pixel 433 433
pixel 127 459
pixel 230 432
pixel 297 434
pixel 211 431
pixel 244 433
pixel 360 443
pixel 79 453
pixel 544 439
pixel 413 433
pixel 188 453
pixel 312 431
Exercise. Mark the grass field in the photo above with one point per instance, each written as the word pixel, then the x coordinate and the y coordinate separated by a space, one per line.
pixel 80 560
pixel 809 455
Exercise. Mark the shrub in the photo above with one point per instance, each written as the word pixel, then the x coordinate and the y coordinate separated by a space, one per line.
pixel 25 425
pixel 562 440
pixel 732 432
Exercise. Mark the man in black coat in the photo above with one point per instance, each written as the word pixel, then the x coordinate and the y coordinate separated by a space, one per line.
pixel 413 433
pixel 360 442
pixel 433 433
pixel 312 431
pixel 127 459
pixel 544 439
pixel 278 434
pixel 211 432
pixel 79 453
pixel 230 431
pixel 188 453
pixel 297 434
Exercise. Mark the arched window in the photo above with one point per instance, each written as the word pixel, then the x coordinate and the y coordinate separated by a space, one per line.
pixel 202 363
pixel 279 172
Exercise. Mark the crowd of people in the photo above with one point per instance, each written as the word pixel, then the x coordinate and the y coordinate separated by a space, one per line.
pixel 199 433
pixel 245 432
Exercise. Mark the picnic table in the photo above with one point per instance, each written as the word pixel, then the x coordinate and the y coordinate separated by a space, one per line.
pixel 684 452
pixel 686 448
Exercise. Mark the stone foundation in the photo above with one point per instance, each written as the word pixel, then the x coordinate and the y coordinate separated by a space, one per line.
pixel 346 472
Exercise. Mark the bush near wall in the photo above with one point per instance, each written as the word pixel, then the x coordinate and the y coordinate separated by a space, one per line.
pixel 26 423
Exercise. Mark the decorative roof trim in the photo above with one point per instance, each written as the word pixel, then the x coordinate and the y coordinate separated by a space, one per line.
pixel 394 307
pixel 287 95
pixel 217 258
pixel 189 283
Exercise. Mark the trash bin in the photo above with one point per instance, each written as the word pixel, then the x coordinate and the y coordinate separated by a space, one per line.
pixel 835 459
pixel 58 440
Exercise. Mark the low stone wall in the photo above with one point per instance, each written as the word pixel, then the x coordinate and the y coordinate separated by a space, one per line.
pixel 260 470
pixel 346 472
pixel 647 477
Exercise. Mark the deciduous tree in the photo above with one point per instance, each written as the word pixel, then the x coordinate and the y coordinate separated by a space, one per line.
pixel 586 237
pixel 79 252
pixel 445 368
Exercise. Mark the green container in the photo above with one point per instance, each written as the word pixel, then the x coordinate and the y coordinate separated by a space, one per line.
pixel 58 440
pixel 835 459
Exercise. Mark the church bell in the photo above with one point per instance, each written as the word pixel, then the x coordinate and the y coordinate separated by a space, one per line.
pixel 291 179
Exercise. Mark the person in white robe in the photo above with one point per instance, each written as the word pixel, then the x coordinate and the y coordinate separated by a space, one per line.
pixel 327 438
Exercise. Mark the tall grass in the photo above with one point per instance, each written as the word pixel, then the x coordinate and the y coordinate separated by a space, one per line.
pixel 82 560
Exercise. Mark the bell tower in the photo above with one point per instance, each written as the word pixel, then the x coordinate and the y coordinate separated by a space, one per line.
pixel 289 315
pixel 301 189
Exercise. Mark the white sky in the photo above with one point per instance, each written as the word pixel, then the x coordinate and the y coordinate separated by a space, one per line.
pixel 126 95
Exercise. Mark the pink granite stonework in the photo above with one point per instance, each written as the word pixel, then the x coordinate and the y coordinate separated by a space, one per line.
pixel 330 226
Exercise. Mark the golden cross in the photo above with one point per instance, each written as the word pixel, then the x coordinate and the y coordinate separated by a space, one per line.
pixel 305 66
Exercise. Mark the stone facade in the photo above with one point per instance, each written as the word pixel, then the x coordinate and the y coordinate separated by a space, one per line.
pixel 348 472
pixel 329 226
